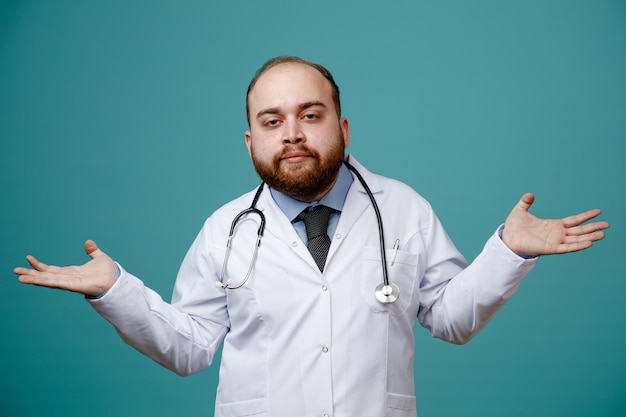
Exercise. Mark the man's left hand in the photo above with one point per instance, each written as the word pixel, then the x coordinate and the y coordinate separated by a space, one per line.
pixel 527 235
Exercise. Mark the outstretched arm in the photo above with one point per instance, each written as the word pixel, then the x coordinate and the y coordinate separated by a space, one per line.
pixel 527 235
pixel 92 278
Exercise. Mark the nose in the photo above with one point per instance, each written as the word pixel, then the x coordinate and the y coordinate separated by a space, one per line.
pixel 292 133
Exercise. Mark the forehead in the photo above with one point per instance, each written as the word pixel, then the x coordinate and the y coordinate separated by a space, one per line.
pixel 290 84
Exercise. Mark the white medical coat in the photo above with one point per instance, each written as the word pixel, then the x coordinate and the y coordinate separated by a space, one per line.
pixel 298 342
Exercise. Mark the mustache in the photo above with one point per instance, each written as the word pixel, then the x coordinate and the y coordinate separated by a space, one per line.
pixel 297 148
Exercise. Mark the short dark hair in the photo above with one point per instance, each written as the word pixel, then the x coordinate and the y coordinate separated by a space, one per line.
pixel 294 59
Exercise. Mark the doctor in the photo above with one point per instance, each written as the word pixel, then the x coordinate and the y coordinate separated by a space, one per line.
pixel 307 338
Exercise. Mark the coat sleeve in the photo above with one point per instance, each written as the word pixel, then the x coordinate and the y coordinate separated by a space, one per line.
pixel 183 336
pixel 457 300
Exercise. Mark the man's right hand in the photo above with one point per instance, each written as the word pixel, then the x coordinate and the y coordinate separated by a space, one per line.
pixel 92 278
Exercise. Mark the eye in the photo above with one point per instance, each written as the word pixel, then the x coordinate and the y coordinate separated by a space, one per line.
pixel 310 116
pixel 272 122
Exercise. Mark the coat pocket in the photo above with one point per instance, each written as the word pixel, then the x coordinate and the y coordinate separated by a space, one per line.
pixel 400 405
pixel 402 273
pixel 257 408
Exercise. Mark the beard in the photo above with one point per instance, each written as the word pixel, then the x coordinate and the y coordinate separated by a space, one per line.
pixel 306 181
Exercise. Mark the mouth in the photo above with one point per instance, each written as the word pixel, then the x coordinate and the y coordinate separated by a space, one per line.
pixel 295 156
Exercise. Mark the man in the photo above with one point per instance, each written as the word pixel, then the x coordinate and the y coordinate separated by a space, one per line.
pixel 305 334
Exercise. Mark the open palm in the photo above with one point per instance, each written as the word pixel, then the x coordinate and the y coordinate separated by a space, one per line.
pixel 528 235
pixel 92 278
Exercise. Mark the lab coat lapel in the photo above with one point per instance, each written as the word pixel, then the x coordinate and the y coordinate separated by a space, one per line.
pixel 278 225
pixel 357 202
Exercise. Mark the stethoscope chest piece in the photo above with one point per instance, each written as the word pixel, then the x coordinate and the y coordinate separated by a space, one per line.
pixel 388 293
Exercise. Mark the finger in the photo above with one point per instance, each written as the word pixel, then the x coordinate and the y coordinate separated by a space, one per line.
pixel 574 247
pixel 587 228
pixel 53 277
pixel 526 201
pixel 580 218
pixel 40 266
pixel 20 270
pixel 44 280
pixel 589 237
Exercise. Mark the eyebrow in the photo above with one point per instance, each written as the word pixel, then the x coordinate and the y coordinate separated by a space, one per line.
pixel 303 106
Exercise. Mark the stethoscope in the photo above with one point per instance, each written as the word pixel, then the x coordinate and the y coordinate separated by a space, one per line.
pixel 386 292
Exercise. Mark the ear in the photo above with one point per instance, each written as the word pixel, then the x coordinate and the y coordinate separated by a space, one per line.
pixel 345 131
pixel 248 136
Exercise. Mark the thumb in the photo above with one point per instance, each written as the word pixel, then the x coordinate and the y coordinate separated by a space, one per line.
pixel 91 249
pixel 525 202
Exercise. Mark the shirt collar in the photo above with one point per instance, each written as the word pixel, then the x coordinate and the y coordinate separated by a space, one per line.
pixel 334 199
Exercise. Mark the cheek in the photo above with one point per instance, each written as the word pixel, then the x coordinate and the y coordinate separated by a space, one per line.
pixel 261 152
pixel 258 148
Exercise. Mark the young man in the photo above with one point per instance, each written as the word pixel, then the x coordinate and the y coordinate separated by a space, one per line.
pixel 308 332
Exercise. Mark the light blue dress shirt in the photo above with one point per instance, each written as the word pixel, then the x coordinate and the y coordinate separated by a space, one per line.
pixel 334 199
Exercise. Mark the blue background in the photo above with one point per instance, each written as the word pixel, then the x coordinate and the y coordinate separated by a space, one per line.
pixel 123 121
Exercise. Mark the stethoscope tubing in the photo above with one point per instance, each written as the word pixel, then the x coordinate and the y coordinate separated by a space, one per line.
pixel 383 255
pixel 250 210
